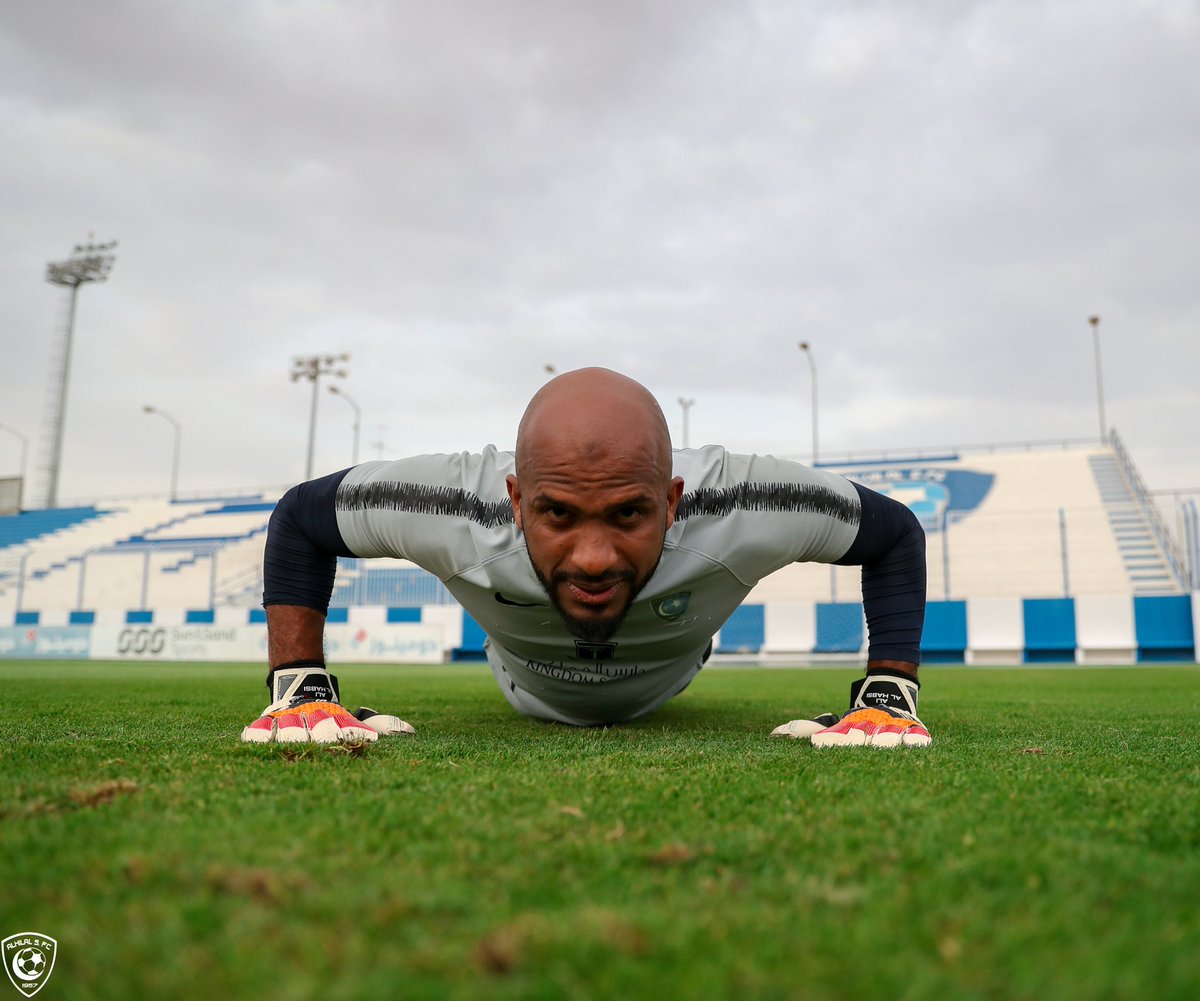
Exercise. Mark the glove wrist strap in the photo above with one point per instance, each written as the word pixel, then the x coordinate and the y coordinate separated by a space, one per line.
pixel 302 681
pixel 884 689
pixel 292 666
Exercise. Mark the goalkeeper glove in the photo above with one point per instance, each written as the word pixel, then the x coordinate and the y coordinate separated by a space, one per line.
pixel 883 713
pixel 305 706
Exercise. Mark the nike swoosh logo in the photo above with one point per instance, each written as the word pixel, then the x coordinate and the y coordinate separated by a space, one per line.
pixel 518 604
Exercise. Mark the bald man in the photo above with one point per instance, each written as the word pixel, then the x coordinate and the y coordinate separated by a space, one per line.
pixel 599 562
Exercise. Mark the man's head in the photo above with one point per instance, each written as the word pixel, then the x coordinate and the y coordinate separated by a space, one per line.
pixel 593 494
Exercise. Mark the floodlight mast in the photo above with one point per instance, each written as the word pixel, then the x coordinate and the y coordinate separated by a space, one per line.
pixel 89 262
pixel 312 367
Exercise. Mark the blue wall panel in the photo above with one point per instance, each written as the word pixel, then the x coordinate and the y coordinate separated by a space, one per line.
pixel 944 640
pixel 1163 626
pixel 1049 630
pixel 745 631
pixel 839 627
pixel 472 640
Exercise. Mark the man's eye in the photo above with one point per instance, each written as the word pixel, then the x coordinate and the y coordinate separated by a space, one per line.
pixel 629 515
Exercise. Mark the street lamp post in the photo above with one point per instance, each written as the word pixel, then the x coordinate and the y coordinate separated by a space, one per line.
pixel 175 452
pixel 812 365
pixel 380 445
pixel 1095 322
pixel 89 262
pixel 686 405
pixel 24 455
pixel 357 418
pixel 312 368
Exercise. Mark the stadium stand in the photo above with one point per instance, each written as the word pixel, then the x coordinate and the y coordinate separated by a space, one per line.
pixel 390 583
pixel 1036 554
pixel 1052 522
pixel 135 554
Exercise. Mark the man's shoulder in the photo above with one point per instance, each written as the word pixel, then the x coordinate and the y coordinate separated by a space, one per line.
pixel 440 511
pixel 458 482
pixel 719 482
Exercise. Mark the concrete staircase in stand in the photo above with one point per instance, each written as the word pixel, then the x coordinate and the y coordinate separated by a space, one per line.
pixel 1145 562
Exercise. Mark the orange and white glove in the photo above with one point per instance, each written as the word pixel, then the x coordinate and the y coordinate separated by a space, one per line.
pixel 305 706
pixel 883 713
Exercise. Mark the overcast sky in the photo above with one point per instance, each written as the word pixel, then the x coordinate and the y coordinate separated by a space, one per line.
pixel 935 195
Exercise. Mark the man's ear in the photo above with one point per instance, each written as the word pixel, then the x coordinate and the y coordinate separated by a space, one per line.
pixel 514 495
pixel 673 495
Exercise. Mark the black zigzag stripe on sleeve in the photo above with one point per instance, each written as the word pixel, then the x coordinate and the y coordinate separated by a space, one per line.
pixel 768 497
pixel 421 498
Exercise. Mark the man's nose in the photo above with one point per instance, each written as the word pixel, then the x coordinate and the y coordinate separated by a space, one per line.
pixel 594 553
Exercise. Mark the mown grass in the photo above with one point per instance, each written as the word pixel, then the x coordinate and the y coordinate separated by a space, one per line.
pixel 1046 846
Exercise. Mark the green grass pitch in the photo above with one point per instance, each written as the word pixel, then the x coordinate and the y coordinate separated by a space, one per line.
pixel 1047 846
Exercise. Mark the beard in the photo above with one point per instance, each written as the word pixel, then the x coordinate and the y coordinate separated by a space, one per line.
pixel 592 630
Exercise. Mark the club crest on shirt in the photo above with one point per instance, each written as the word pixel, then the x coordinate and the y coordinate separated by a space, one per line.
pixel 672 606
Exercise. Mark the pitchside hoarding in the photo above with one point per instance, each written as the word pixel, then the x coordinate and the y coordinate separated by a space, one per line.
pixel 46 642
pixel 405 642
pixel 190 642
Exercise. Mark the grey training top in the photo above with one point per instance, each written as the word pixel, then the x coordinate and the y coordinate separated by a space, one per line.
pixel 741 517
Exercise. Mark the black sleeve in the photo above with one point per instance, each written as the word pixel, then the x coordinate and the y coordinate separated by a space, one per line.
pixel 890 547
pixel 303 543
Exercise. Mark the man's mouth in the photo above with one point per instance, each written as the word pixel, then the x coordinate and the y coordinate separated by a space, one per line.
pixel 593 594
pixel 592 608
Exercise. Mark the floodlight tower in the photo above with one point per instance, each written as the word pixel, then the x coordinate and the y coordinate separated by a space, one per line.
pixel 312 368
pixel 89 262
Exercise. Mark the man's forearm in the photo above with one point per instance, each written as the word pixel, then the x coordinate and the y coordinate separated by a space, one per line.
pixel 890 548
pixel 294 632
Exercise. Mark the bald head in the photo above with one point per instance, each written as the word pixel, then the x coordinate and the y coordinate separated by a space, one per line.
pixel 593 495
pixel 592 413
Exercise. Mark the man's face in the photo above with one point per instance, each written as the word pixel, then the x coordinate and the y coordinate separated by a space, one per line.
pixel 594 526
